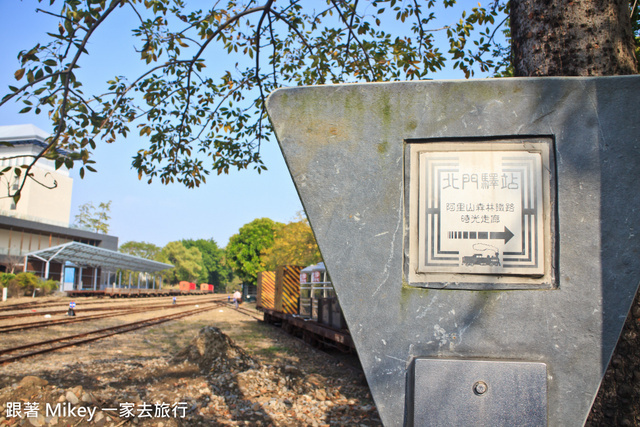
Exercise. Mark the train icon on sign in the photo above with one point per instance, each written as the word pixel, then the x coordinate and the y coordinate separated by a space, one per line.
pixel 479 259
pixel 492 257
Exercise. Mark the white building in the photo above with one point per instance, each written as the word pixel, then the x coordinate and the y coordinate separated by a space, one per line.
pixel 40 220
pixel 37 203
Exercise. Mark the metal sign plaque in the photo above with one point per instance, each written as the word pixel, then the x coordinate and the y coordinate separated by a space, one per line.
pixel 478 211
pixel 479 392
pixel 481 212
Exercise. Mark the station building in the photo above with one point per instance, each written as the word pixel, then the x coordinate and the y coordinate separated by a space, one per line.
pixel 35 235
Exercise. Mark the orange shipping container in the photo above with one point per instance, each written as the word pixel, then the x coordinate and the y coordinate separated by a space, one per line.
pixel 265 297
pixel 184 286
pixel 287 289
pixel 206 287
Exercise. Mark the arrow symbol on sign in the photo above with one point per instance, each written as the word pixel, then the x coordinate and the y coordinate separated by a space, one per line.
pixel 482 235
pixel 506 235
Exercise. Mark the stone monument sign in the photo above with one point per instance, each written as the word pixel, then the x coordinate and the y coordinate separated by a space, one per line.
pixel 482 237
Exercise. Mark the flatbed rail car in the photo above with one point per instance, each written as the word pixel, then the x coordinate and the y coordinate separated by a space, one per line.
pixel 310 331
pixel 120 293
pixel 133 292
pixel 316 318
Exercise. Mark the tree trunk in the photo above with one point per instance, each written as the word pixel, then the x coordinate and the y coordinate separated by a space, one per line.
pixel 586 38
pixel 571 38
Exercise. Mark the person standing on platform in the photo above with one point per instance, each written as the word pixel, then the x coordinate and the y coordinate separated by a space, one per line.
pixel 237 298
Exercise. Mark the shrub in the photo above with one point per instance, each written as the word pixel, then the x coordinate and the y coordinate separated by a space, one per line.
pixel 14 289
pixel 5 278
pixel 49 286
pixel 23 284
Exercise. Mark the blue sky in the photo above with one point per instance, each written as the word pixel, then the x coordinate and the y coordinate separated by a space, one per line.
pixel 154 212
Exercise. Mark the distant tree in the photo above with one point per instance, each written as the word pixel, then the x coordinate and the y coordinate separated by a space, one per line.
pixel 13 262
pixel 244 248
pixel 233 281
pixel 214 270
pixel 140 249
pixel 187 262
pixel 294 244
pixel 92 218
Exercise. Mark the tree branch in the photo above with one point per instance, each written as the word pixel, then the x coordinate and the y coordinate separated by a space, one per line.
pixel 417 6
pixel 265 13
pixel 353 14
pixel 493 34
pixel 61 17
pixel 28 85
pixel 275 50
pixel 303 40
pixel 132 85
pixel 364 51
pixel 48 187
pixel 195 58
pixel 63 107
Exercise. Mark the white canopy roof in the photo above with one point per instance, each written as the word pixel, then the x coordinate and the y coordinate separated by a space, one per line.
pixel 316 267
pixel 84 255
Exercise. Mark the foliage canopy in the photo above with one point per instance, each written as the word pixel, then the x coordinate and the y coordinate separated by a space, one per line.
pixel 214 270
pixel 244 248
pixel 294 244
pixel 140 249
pixel 207 68
pixel 199 116
pixel 187 262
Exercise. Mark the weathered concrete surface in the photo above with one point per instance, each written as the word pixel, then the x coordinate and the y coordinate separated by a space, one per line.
pixel 344 148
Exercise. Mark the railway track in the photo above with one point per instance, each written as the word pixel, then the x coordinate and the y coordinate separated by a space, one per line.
pixel 106 308
pixel 16 353
pixel 85 302
pixel 54 322
pixel 248 313
pixel 24 351
pixel 349 359
pixel 33 305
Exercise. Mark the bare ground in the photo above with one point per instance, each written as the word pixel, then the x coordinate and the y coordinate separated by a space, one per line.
pixel 270 378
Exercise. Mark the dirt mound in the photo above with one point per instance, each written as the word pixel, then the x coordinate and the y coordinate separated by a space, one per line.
pixel 212 350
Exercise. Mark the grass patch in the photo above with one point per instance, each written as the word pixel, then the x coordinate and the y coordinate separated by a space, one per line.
pixel 274 350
